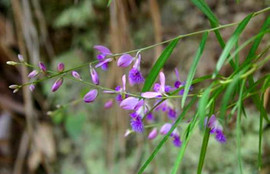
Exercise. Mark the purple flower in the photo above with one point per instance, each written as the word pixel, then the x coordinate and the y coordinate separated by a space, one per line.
pixel 160 89
pixel 94 76
pixel 90 96
pixel 32 87
pixel 60 67
pixel 153 134
pixel 33 74
pixel 76 75
pixel 216 128
pixel 42 67
pixel 108 104
pixel 125 60
pixel 20 57
pixel 129 103
pixel 220 136
pixel 172 114
pixel 137 124
pixel 165 128
pixel 120 90
pixel 176 140
pixel 104 52
pixel 57 84
pixel 135 76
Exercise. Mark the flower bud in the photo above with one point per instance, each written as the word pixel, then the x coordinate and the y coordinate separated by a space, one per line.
pixel 42 67
pixel 127 132
pixel 90 96
pixel 94 76
pixel 153 134
pixel 165 128
pixel 12 63
pixel 15 90
pixel 125 60
pixel 13 86
pixel 108 104
pixel 33 74
pixel 32 87
pixel 60 67
pixel 57 84
pixel 20 57
pixel 76 75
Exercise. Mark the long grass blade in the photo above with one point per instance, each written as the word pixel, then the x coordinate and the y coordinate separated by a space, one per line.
pixel 193 68
pixel 231 42
pixel 158 65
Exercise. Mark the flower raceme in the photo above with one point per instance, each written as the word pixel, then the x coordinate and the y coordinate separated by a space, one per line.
pixel 216 128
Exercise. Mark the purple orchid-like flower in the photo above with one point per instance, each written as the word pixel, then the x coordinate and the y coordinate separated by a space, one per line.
pixel 76 75
pixel 119 90
pixel 60 67
pixel 175 135
pixel 216 128
pixel 160 89
pixel 137 124
pixel 108 104
pixel 125 60
pixel 94 76
pixel 42 67
pixel 130 103
pixel 33 74
pixel 103 61
pixel 90 96
pixel 57 84
pixel 153 134
pixel 32 87
pixel 135 76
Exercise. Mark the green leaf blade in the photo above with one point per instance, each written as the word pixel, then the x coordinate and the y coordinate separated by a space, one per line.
pixel 159 65
pixel 194 67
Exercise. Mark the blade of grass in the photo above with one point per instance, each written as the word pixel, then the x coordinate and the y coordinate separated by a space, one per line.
pixel 188 132
pixel 203 103
pixel 158 65
pixel 213 22
pixel 203 150
pixel 238 125
pixel 227 96
pixel 194 67
pixel 262 115
pixel 165 138
pixel 205 141
pixel 109 3
pixel 231 42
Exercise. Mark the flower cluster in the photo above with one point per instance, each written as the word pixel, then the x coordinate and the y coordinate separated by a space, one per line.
pixel 138 106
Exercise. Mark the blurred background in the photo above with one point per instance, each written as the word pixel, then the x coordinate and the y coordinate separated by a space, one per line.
pixel 85 138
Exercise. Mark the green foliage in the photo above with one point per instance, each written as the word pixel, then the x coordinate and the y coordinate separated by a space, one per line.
pixel 158 65
pixel 76 16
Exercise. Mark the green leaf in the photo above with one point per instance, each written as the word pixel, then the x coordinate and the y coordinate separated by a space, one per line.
pixel 203 150
pixel 194 67
pixel 257 42
pixel 213 22
pixel 238 125
pixel 203 104
pixel 165 138
pixel 188 134
pixel 158 65
pixel 109 3
pixel 206 10
pixel 262 115
pixel 227 96
pixel 231 42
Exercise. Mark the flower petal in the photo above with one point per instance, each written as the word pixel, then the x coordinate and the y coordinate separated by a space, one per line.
pixel 90 96
pixel 165 128
pixel 153 134
pixel 162 82
pixel 125 60
pixel 102 49
pixel 129 103
pixel 103 62
pixel 150 94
